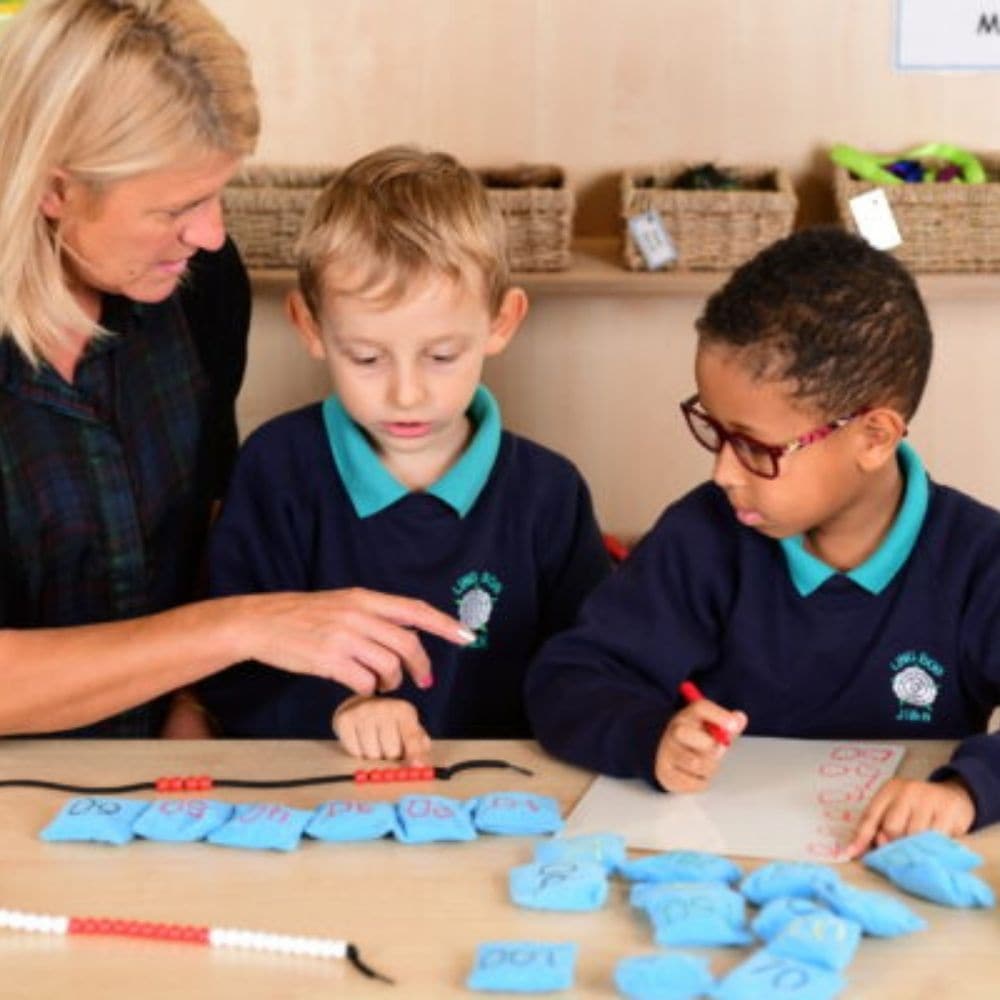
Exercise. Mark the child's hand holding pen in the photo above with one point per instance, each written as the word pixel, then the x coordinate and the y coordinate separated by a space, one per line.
pixel 694 742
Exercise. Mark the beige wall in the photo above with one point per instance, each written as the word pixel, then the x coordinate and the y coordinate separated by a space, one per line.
pixel 595 85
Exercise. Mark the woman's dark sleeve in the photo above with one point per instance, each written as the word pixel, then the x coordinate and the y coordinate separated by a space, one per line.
pixel 215 298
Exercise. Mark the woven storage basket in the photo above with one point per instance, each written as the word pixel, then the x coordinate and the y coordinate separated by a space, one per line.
pixel 537 208
pixel 711 230
pixel 264 207
pixel 945 227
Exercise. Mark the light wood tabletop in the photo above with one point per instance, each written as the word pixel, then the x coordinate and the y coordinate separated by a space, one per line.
pixel 417 913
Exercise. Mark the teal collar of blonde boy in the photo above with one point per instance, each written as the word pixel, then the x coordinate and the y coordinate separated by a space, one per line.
pixel 372 487
pixel 809 573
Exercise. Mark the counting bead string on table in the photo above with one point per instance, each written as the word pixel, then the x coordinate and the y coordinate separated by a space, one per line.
pixel 212 937
pixel 204 782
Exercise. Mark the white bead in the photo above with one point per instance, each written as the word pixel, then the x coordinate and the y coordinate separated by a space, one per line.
pixel 240 939
pixel 283 944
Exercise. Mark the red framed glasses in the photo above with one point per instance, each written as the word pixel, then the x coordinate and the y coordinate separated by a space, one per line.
pixel 755 456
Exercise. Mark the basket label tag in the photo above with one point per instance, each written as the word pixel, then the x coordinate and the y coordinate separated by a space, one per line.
pixel 652 239
pixel 875 220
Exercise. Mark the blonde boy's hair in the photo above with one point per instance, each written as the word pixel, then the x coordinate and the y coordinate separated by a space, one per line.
pixel 103 90
pixel 397 214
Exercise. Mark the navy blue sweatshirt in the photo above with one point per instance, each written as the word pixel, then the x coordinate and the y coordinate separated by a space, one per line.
pixel 506 541
pixel 906 646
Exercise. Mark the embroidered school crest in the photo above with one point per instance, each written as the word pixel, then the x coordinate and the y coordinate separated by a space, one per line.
pixel 476 595
pixel 915 683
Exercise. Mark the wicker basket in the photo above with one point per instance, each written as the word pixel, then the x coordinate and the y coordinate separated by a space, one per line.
pixel 264 206
pixel 537 208
pixel 711 230
pixel 945 227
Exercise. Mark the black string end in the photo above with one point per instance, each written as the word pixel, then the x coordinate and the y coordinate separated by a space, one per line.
pixel 355 959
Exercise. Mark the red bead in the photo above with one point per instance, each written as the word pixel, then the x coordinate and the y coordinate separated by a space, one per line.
pixel 427 773
pixel 390 774
pixel 162 784
pixel 375 775
pixel 204 782
pixel 175 784
pixel 361 776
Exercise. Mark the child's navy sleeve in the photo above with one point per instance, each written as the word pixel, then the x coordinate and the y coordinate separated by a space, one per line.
pixel 976 760
pixel 600 693
pixel 573 558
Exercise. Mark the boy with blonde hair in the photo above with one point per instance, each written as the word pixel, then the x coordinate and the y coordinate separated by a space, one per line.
pixel 403 481
pixel 821 586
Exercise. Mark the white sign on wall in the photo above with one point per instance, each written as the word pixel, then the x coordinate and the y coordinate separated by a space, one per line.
pixel 947 35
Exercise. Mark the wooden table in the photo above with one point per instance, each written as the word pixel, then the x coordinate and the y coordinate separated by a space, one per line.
pixel 416 912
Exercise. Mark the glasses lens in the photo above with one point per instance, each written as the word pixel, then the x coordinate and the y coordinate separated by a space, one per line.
pixel 705 432
pixel 754 457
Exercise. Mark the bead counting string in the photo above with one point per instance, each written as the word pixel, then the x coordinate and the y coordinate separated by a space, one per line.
pixel 204 782
pixel 211 937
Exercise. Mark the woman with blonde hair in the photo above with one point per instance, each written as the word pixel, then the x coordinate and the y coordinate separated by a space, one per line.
pixel 124 313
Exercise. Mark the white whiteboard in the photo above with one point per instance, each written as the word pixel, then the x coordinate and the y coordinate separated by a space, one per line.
pixel 797 800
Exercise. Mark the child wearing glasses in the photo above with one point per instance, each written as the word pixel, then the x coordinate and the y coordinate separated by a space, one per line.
pixel 821 585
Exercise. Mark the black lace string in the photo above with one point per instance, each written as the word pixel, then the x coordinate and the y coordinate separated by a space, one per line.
pixel 440 774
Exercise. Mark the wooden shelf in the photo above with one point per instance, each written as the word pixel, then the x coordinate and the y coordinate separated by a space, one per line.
pixel 597 270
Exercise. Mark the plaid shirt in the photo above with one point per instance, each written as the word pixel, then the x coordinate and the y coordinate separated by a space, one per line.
pixel 106 483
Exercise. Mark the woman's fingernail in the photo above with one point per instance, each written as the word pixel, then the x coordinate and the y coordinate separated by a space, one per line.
pixel 466 636
pixel 426 682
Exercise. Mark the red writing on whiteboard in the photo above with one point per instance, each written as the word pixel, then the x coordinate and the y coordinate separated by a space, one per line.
pixel 845 784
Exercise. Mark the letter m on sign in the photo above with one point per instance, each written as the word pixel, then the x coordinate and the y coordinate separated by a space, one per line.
pixel 989 24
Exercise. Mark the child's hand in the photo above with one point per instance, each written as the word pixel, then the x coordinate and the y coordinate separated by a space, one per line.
pixel 902 807
pixel 186 719
pixel 382 729
pixel 688 754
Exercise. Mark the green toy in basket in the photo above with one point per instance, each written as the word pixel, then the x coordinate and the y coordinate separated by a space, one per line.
pixel 869 167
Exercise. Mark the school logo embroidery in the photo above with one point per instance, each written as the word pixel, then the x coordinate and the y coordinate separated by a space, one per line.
pixel 476 595
pixel 915 683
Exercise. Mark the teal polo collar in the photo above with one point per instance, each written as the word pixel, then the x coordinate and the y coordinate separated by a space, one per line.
pixel 809 573
pixel 372 487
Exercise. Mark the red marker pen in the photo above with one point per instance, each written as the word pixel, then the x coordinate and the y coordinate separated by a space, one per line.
pixel 690 693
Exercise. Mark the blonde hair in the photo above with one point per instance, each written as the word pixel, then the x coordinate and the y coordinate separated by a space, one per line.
pixel 395 215
pixel 103 90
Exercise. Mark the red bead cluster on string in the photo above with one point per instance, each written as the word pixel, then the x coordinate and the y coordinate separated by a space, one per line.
pixel 395 774
pixel 192 783
pixel 185 933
